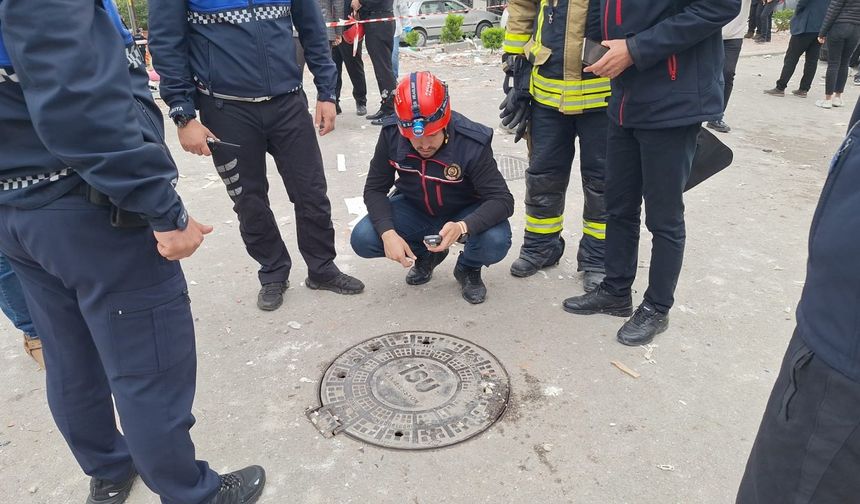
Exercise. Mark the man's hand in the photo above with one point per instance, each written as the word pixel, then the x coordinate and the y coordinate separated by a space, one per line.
pixel 193 138
pixel 615 61
pixel 355 5
pixel 337 40
pixel 324 118
pixel 450 233
pixel 175 245
pixel 397 249
pixel 822 40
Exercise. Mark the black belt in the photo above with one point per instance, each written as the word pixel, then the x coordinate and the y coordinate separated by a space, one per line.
pixel 90 194
pixel 119 218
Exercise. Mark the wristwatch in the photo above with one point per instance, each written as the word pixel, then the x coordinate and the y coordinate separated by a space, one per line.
pixel 181 120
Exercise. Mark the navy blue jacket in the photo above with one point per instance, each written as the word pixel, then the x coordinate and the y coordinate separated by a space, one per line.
pixel 828 315
pixel 808 16
pixel 462 173
pixel 75 104
pixel 677 50
pixel 241 48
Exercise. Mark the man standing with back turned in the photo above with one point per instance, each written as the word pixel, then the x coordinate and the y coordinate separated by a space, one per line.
pixel 236 61
pixel 665 60
pixel 92 226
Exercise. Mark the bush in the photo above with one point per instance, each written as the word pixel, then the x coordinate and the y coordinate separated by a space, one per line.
pixel 141 13
pixel 411 38
pixel 782 19
pixel 453 29
pixel 492 38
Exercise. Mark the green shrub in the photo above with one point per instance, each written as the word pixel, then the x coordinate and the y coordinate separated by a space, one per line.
pixel 782 19
pixel 453 29
pixel 411 38
pixel 492 38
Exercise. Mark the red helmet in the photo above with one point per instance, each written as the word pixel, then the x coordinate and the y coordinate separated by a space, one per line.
pixel 422 105
pixel 355 32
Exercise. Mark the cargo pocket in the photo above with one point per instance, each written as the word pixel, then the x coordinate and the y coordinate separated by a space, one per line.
pixel 798 361
pixel 151 329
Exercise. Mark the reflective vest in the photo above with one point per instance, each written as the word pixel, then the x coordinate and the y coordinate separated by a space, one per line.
pixel 551 34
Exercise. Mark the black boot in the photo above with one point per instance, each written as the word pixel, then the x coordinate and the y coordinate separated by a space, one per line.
pixel 341 284
pixel 528 266
pixel 599 301
pixel 106 492
pixel 241 487
pixel 591 279
pixel 422 272
pixel 646 323
pixel 271 295
pixel 474 290
pixel 379 114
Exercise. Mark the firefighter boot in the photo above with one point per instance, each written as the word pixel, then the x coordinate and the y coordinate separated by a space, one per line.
pixel 526 266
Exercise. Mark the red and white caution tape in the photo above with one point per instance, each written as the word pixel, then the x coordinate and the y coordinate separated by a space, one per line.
pixel 350 22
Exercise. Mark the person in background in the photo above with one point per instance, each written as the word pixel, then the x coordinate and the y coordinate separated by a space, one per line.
pixel 401 10
pixel 752 19
pixel 346 54
pixel 805 26
pixel 841 31
pixel 765 20
pixel 733 42
pixel 378 38
pixel 13 304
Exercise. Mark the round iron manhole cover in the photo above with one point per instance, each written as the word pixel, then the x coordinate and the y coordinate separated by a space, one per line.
pixel 512 167
pixel 415 390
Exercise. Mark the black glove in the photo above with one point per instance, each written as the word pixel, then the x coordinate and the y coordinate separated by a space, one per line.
pixel 516 107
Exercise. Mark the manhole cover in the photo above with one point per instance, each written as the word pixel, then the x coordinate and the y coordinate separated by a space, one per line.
pixel 512 168
pixel 413 391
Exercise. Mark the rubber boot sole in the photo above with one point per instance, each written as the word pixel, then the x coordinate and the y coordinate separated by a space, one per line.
pixel 310 284
pixel 615 312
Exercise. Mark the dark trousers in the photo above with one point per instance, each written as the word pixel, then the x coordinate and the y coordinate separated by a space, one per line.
pixel 654 165
pixel 807 450
pixel 765 19
pixel 808 46
pixel 413 224
pixel 732 48
pixel 379 40
pixel 115 320
pixel 551 151
pixel 283 128
pixel 752 21
pixel 342 56
pixel 841 42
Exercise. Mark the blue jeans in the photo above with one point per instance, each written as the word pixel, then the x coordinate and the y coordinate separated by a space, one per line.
pixel 413 224
pixel 395 57
pixel 12 299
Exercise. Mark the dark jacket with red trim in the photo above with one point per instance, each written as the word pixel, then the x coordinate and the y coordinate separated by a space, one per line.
pixel 463 172
pixel 677 50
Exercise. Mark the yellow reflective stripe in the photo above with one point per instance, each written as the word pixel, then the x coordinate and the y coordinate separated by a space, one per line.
pixel 518 38
pixel 512 49
pixel 539 27
pixel 595 229
pixel 572 103
pixel 587 86
pixel 544 226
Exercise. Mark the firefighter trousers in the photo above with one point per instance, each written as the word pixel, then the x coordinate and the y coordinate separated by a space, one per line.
pixel 551 153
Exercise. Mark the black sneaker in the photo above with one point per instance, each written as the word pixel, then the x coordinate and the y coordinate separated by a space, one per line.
pixel 360 110
pixel 381 120
pixel 422 272
pixel 271 295
pixel 525 267
pixel 474 290
pixel 241 487
pixel 378 114
pixel 719 126
pixel 341 284
pixel 646 323
pixel 774 92
pixel 591 279
pixel 106 492
pixel 599 301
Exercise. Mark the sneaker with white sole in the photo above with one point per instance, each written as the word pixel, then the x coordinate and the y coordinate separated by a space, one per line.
pixel 825 104
pixel 837 101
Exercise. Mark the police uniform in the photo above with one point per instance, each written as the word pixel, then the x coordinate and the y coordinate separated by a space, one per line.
pixel 78 125
pixel 567 103
pixel 235 61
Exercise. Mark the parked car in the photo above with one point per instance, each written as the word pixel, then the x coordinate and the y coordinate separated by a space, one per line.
pixel 431 14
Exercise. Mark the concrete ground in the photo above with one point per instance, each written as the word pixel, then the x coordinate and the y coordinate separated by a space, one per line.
pixel 577 429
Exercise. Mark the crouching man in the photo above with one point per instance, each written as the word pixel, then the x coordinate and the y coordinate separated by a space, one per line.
pixel 447 184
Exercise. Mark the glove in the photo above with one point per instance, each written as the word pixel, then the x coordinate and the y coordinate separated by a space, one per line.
pixel 517 106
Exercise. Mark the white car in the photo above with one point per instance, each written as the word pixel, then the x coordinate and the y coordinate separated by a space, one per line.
pixel 430 18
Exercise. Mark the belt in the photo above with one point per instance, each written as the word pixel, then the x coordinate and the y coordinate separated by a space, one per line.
pixel 90 194
pixel 234 98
